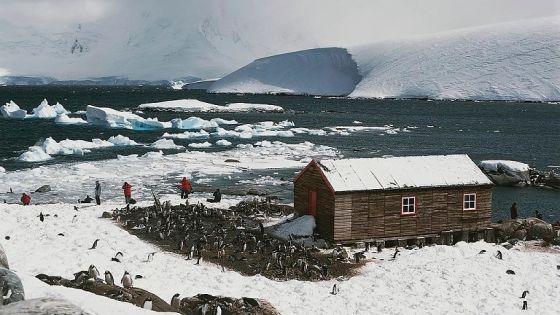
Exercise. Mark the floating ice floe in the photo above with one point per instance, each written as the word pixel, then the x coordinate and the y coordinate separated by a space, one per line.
pixel 47 148
pixel 65 120
pixel 223 143
pixel 12 110
pixel 193 123
pixel 193 105
pixel 201 134
pixel 166 144
pixel 200 145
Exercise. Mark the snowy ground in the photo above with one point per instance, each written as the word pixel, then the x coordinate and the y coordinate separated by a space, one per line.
pixel 431 280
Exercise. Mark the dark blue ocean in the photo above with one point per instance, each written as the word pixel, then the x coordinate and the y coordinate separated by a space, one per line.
pixel 526 132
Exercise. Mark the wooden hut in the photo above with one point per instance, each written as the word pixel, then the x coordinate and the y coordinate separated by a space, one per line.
pixel 395 197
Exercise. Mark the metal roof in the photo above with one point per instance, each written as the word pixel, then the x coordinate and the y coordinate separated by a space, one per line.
pixel 405 172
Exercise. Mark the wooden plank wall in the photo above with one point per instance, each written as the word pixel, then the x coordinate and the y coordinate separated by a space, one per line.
pixel 372 215
pixel 312 180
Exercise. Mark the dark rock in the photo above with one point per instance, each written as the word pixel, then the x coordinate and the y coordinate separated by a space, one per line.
pixel 42 306
pixel 540 230
pixel 44 188
pixel 10 281
pixel 106 215
pixel 520 234
pixel 254 192
pixel 228 305
pixel 231 161
pixel 510 272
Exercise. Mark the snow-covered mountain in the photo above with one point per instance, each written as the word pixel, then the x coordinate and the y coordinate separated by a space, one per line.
pixel 141 44
pixel 513 61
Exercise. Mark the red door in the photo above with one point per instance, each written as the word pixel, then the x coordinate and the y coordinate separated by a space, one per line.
pixel 312 203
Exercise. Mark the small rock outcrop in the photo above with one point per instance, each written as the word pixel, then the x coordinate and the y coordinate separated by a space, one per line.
pixel 525 229
pixel 42 306
pixel 10 287
pixel 44 188
pixel 210 304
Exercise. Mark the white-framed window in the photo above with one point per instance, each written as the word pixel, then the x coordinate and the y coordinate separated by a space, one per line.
pixel 408 205
pixel 469 201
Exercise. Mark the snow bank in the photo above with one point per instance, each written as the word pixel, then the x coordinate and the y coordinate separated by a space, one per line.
pixel 165 144
pixel 48 147
pixel 431 280
pixel 193 105
pixel 200 145
pixel 300 227
pixel 44 110
pixel 66 120
pixel 322 71
pixel 12 110
pixel 2 170
pixel 514 61
pixel 200 85
pixel 111 118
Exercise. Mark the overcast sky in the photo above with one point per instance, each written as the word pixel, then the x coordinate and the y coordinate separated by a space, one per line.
pixel 332 22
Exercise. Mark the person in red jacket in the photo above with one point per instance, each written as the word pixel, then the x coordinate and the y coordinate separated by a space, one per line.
pixel 127 188
pixel 25 199
pixel 186 188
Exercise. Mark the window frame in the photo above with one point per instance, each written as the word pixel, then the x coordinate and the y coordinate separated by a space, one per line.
pixel 413 204
pixel 473 201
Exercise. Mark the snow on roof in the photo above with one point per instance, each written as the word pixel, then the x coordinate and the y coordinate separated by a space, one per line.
pixel 402 172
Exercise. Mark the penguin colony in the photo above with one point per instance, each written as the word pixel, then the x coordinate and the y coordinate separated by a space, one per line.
pixel 233 238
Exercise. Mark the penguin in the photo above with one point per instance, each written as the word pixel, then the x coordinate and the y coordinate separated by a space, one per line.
pixel 524 307
pixel 147 304
pixel 74 218
pixel 109 278
pixel 379 248
pixel 150 256
pixel 524 294
pixel 482 251
pixel 396 253
pixel 334 289
pixel 510 272
pixel 499 255
pixel 557 267
pixel 94 246
pixel 119 256
pixel 93 272
pixel 126 280
pixel 41 217
pixel 75 208
pixel 175 301
pixel 218 310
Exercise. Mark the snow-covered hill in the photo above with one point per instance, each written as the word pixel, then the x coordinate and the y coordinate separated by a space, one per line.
pixel 321 71
pixel 513 61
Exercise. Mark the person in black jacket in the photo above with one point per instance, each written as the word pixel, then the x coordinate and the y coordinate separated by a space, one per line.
pixel 217 196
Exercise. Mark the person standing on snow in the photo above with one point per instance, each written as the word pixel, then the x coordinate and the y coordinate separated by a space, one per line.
pixel 186 188
pixel 127 188
pixel 97 192
pixel 25 199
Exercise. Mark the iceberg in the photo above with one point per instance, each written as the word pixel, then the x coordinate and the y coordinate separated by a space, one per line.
pixel 506 173
pixel 44 110
pixel 12 110
pixel 111 118
pixel 193 105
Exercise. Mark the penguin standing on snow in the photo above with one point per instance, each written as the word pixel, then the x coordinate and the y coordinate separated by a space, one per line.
pixel 93 272
pixel 147 304
pixel 175 301
pixel 94 244
pixel 109 278
pixel 499 255
pixel 126 280
pixel 334 289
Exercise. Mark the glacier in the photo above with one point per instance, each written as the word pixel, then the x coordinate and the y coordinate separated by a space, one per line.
pixel 320 71
pixel 511 61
